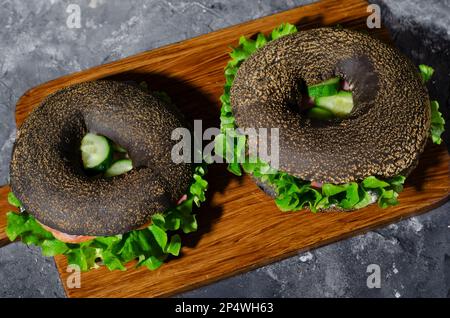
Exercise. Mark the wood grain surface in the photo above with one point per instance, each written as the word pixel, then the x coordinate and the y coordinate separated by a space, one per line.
pixel 239 227
pixel 4 208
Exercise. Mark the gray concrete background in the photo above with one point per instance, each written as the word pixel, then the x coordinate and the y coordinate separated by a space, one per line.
pixel 37 46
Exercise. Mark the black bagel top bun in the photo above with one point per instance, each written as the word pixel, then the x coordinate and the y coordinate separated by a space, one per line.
pixel 383 135
pixel 47 173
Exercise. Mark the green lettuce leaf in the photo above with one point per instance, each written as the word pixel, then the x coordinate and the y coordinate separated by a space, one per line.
pixel 373 183
pixel 13 200
pixel 112 261
pixel 174 245
pixel 282 30
pixel 53 247
pixel 437 123
pixel 149 246
pixel 437 120
pixel 292 194
pixel 426 72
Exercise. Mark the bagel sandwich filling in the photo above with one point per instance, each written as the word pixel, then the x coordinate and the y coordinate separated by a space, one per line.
pixel 88 183
pixel 339 146
pixel 326 100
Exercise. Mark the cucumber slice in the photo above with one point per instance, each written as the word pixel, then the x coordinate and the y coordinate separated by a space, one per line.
pixel 320 113
pixel 340 104
pixel 327 88
pixel 119 167
pixel 96 152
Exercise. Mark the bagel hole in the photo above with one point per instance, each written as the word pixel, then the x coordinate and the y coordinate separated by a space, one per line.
pixel 328 100
pixel 69 145
pixel 363 81
pixel 102 157
pixel 298 101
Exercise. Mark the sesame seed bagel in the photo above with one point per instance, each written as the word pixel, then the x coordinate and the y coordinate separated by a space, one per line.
pixel 383 135
pixel 47 173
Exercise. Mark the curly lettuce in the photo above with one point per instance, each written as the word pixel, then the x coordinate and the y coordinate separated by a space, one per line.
pixel 437 120
pixel 426 72
pixel 149 246
pixel 437 123
pixel 292 194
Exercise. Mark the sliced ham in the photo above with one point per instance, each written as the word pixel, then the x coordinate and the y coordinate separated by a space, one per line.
pixel 182 199
pixel 346 86
pixel 67 238
pixel 315 184
pixel 75 239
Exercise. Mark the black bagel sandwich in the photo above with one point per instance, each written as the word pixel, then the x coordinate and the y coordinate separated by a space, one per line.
pixel 92 173
pixel 353 116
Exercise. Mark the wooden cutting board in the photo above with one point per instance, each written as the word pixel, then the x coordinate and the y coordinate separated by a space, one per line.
pixel 240 227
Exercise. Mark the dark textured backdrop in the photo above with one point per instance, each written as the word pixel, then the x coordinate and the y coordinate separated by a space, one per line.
pixel 36 46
